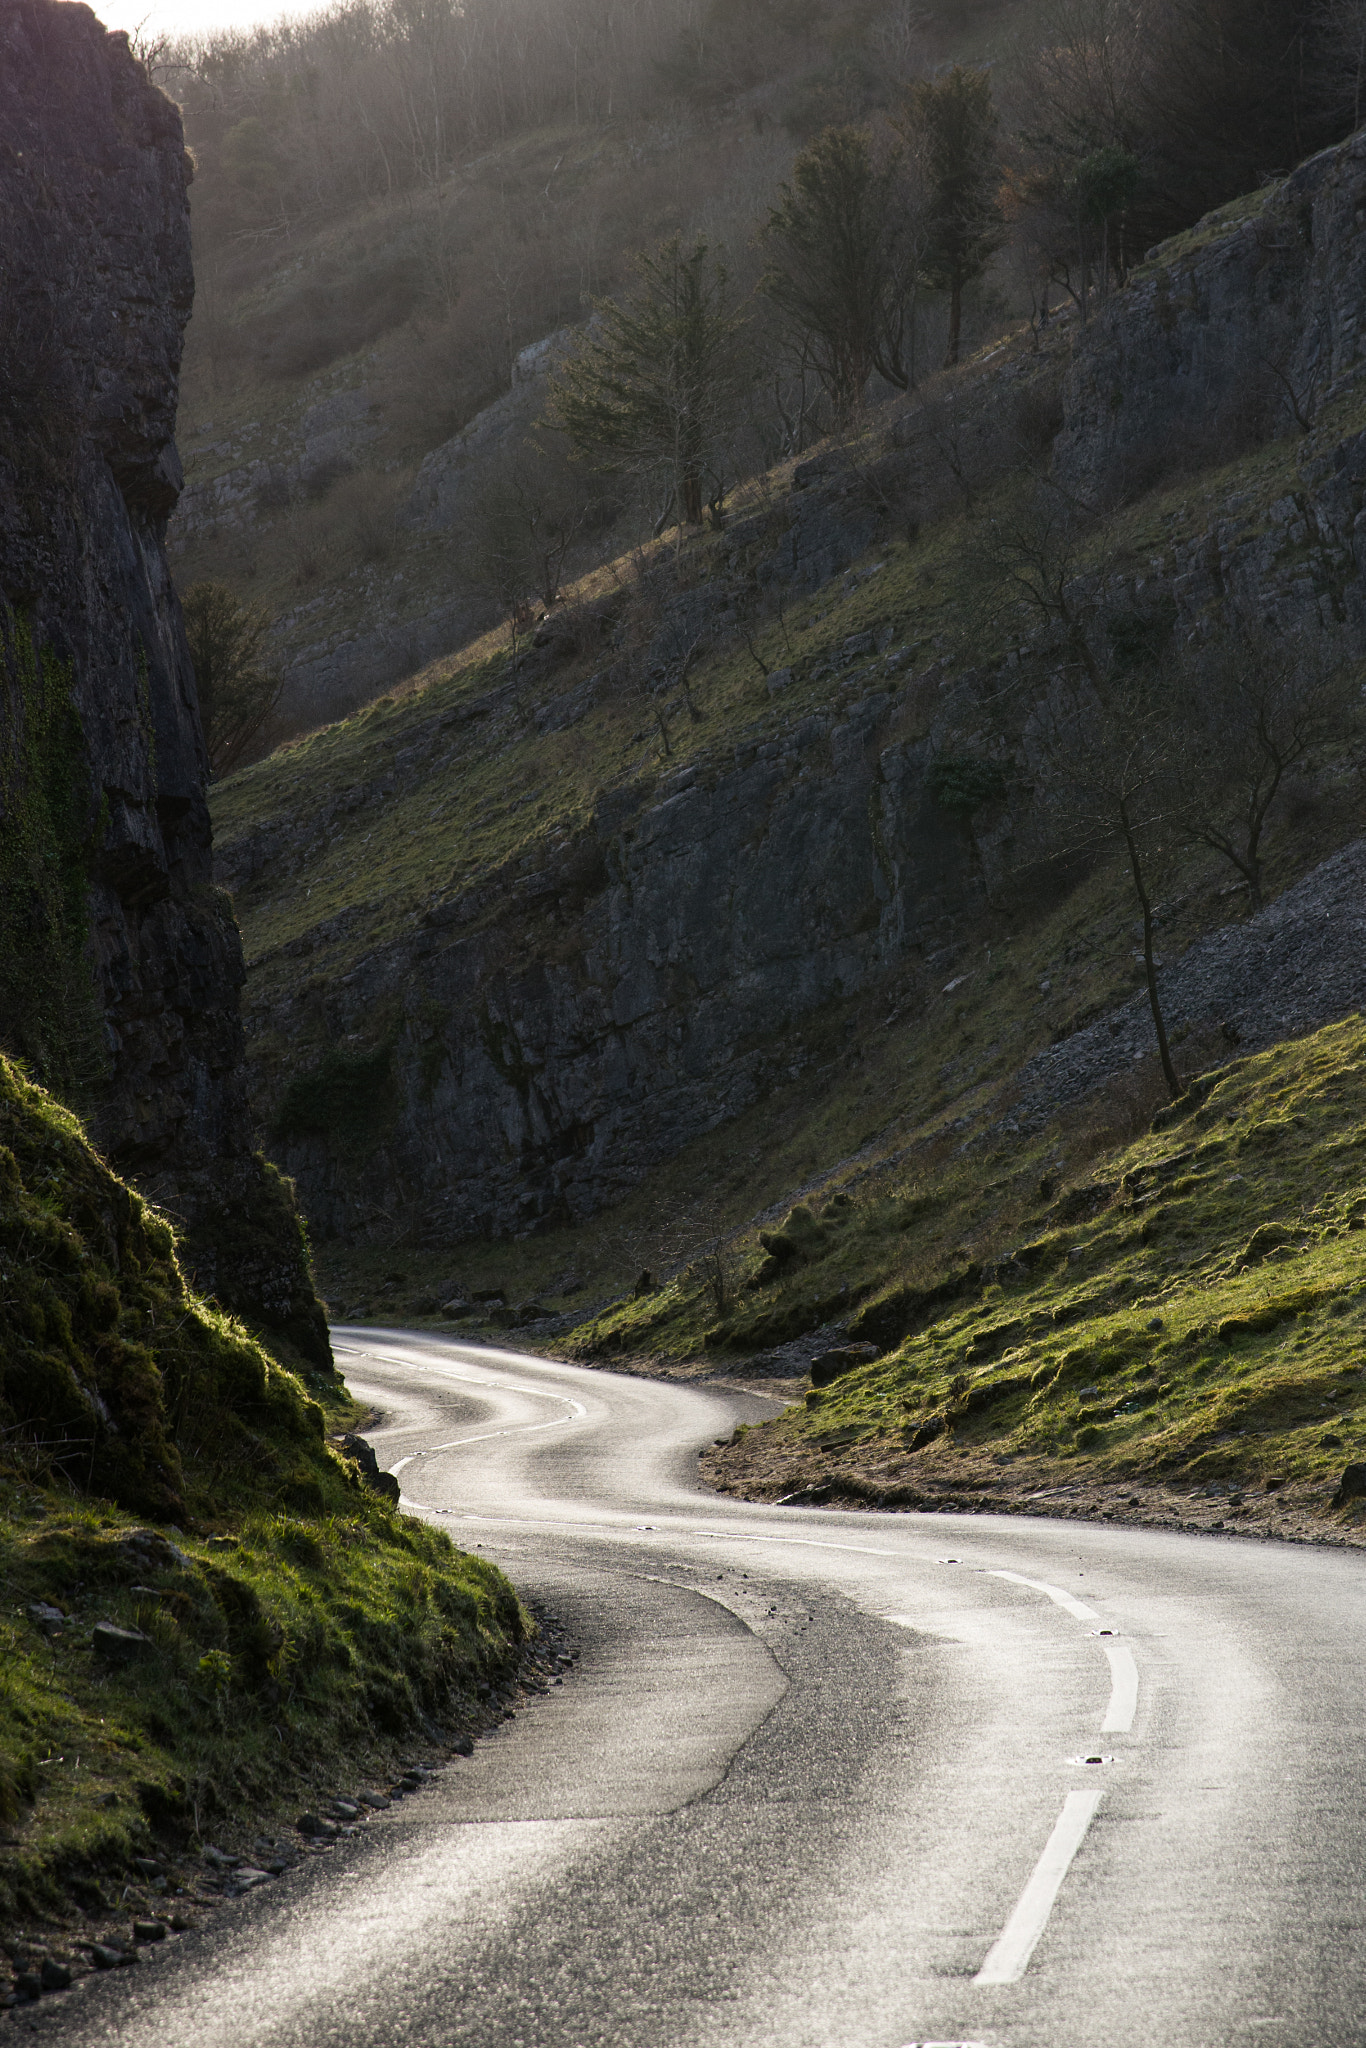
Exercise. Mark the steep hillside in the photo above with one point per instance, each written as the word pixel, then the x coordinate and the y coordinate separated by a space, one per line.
pixel 363 363
pixel 210 1617
pixel 1186 1310
pixel 521 939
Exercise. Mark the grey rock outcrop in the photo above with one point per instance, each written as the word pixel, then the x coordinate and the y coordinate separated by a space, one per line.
pixel 551 1085
pixel 120 963
pixel 1238 333
pixel 557 1029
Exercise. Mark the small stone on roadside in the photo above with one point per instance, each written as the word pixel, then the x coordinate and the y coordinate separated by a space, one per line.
pixel 55 1976
pixel 313 1824
pixel 149 1930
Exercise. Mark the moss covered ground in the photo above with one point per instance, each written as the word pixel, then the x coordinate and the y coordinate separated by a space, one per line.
pixel 277 1626
pixel 1187 1308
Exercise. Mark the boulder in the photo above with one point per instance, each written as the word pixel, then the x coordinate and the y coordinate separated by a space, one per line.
pixel 829 1365
pixel 119 1645
pixel 1351 1486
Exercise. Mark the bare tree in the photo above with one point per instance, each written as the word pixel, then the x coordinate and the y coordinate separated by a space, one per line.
pixel 1341 26
pixel 519 531
pixel 1246 710
pixel 1032 558
pixel 1102 761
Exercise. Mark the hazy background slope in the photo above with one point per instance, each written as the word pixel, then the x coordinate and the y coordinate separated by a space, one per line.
pixel 395 207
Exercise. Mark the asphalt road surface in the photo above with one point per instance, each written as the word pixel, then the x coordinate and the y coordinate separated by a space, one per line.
pixel 820 1780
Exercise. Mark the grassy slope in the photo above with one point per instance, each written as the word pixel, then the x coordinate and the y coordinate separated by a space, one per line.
pixel 441 834
pixel 180 1483
pixel 445 833
pixel 907 1081
pixel 1192 1303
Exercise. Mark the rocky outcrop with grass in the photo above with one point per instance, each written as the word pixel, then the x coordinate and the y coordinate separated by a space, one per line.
pixel 524 935
pixel 120 962
pixel 1246 327
pixel 1181 1315
pixel 211 1618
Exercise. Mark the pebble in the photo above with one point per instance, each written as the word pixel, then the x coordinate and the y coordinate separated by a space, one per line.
pixel 105 1957
pixel 149 1930
pixel 55 1976
pixel 377 1801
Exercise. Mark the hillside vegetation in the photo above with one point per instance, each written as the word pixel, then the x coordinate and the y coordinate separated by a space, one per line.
pixel 710 984
pixel 397 224
pixel 208 1617
pixel 1187 1307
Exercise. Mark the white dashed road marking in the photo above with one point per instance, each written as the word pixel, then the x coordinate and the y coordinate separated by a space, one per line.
pixel 1009 1956
pixel 1119 1715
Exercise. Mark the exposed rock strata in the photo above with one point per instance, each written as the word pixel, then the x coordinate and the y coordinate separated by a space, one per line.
pixel 525 1079
pixel 569 1024
pixel 105 858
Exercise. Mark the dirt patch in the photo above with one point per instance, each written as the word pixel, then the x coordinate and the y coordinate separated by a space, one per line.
pixel 755 1467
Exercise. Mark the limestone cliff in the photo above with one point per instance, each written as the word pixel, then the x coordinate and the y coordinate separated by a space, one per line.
pixel 120 962
pixel 524 1036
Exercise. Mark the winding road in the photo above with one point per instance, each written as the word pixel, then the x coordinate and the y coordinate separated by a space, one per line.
pixel 820 1779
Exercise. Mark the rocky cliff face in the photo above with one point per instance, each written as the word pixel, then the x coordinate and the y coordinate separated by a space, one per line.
pixel 120 962
pixel 1250 326
pixel 535 1041
pixel 642 985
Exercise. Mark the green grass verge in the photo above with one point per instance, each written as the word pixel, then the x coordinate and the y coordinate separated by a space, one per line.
pixel 1192 1302
pixel 162 1475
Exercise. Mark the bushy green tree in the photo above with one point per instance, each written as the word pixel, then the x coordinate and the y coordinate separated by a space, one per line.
pixel 239 686
pixel 649 385
pixel 950 128
pixel 841 263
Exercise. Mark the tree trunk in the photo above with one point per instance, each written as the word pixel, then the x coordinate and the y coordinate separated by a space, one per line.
pixel 1149 964
pixel 1253 871
pixel 955 320
pixel 692 499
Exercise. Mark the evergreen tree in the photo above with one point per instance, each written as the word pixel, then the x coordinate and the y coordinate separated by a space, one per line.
pixel 238 686
pixel 950 127
pixel 647 387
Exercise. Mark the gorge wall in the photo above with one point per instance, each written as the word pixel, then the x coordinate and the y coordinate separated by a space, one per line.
pixel 527 1045
pixel 120 961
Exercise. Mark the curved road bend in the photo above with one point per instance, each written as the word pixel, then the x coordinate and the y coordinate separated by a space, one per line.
pixel 821 1780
